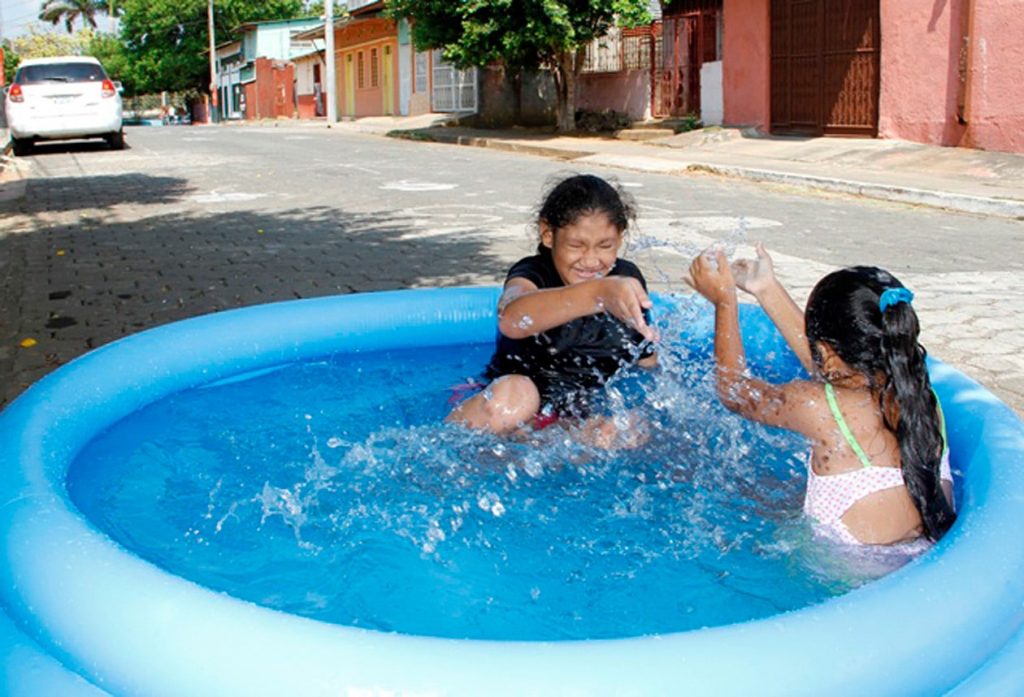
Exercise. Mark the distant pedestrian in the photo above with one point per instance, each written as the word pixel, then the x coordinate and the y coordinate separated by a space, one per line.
pixel 569 318
pixel 879 466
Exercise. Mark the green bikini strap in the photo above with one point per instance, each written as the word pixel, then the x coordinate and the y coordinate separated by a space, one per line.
pixel 830 395
pixel 942 423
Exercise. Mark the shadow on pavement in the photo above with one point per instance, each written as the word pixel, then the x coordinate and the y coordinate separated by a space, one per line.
pixel 95 193
pixel 58 147
pixel 73 287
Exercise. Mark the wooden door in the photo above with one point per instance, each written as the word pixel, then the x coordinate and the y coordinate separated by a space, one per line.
pixel 825 67
pixel 688 40
pixel 387 82
pixel 350 86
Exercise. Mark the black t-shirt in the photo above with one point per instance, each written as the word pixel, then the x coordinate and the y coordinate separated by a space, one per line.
pixel 570 361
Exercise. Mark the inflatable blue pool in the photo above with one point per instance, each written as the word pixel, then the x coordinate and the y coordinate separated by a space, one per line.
pixel 82 616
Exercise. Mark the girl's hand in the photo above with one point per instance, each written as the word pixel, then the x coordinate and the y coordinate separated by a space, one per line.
pixel 754 275
pixel 711 276
pixel 625 298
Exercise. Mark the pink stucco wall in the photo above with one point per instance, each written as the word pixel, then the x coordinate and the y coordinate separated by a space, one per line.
pixel 628 91
pixel 920 76
pixel 996 110
pixel 921 82
pixel 746 63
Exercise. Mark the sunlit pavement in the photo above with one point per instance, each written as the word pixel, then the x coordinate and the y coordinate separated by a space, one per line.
pixel 96 244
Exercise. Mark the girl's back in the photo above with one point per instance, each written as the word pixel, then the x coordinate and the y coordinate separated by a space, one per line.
pixel 864 491
pixel 879 470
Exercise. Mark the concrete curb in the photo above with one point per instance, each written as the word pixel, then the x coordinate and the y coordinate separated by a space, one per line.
pixel 887 192
pixel 980 205
pixel 430 135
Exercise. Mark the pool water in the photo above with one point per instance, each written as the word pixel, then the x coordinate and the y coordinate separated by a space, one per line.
pixel 333 490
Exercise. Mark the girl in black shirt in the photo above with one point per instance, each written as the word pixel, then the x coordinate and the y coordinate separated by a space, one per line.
pixel 569 318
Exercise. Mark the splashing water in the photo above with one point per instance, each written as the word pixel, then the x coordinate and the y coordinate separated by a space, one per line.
pixel 405 523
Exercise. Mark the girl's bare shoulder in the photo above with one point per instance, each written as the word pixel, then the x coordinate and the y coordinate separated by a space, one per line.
pixel 806 408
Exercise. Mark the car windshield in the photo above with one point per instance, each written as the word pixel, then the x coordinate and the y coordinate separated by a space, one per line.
pixel 60 72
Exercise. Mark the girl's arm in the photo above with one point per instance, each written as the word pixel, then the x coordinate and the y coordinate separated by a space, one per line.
pixel 524 310
pixel 757 277
pixel 787 406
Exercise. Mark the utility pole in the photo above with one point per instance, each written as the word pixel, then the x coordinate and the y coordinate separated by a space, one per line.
pixel 214 110
pixel 332 80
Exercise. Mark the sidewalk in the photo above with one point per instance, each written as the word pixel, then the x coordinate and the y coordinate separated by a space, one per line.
pixel 962 179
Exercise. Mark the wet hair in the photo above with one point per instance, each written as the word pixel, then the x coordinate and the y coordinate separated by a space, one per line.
pixel 843 312
pixel 570 198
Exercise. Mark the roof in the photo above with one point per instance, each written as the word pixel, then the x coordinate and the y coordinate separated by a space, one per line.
pixel 245 26
pixel 315 53
pixel 317 32
pixel 360 6
pixel 234 43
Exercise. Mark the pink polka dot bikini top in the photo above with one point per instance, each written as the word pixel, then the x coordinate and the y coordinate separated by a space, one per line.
pixel 829 497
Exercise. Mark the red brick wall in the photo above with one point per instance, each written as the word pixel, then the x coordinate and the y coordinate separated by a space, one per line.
pixel 271 94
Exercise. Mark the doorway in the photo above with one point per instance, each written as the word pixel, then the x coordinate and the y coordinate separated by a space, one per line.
pixel 825 67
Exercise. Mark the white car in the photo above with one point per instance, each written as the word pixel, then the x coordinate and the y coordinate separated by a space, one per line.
pixel 63 98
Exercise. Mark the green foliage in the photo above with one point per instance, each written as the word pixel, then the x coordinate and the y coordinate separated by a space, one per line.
pixel 684 124
pixel 606 121
pixel 43 42
pixel 522 34
pixel 167 44
pixel 82 12
pixel 316 8
pixel 109 51
pixel 518 33
pixel 11 61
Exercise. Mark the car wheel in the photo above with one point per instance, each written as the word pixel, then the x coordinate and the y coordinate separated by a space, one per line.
pixel 22 146
pixel 116 140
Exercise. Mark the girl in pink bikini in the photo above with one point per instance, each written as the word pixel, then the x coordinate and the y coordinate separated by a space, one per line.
pixel 879 468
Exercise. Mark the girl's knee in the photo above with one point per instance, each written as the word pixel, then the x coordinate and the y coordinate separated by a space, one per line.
pixel 515 390
pixel 503 406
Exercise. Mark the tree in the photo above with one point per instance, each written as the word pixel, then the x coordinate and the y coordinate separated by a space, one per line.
pixel 108 50
pixel 316 8
pixel 70 11
pixel 522 34
pixel 167 44
pixel 11 60
pixel 41 42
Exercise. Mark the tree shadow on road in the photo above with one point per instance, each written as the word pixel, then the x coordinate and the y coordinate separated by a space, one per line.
pixel 75 286
pixel 96 193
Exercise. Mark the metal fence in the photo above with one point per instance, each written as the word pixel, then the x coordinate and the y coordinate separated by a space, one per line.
pixel 453 90
pixel 620 50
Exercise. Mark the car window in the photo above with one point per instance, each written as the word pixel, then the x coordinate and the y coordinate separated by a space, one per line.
pixel 60 72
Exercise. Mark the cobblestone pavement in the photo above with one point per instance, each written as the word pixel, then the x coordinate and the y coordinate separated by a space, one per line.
pixel 106 244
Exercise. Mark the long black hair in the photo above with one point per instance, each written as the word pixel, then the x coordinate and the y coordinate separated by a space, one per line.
pixel 843 311
pixel 582 194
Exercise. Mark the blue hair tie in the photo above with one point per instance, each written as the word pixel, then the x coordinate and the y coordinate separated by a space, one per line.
pixel 894 296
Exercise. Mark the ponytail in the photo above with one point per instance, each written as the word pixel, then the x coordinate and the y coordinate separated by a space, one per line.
pixel 865 314
pixel 917 427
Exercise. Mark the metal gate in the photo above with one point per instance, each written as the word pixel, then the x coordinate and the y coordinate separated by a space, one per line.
pixel 688 40
pixel 825 67
pixel 453 90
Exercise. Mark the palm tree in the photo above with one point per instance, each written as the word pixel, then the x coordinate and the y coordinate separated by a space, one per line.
pixel 68 11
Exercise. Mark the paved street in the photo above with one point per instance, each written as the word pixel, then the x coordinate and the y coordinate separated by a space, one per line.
pixel 96 244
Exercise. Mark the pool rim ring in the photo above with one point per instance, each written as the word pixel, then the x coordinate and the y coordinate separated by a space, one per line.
pixel 130 628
